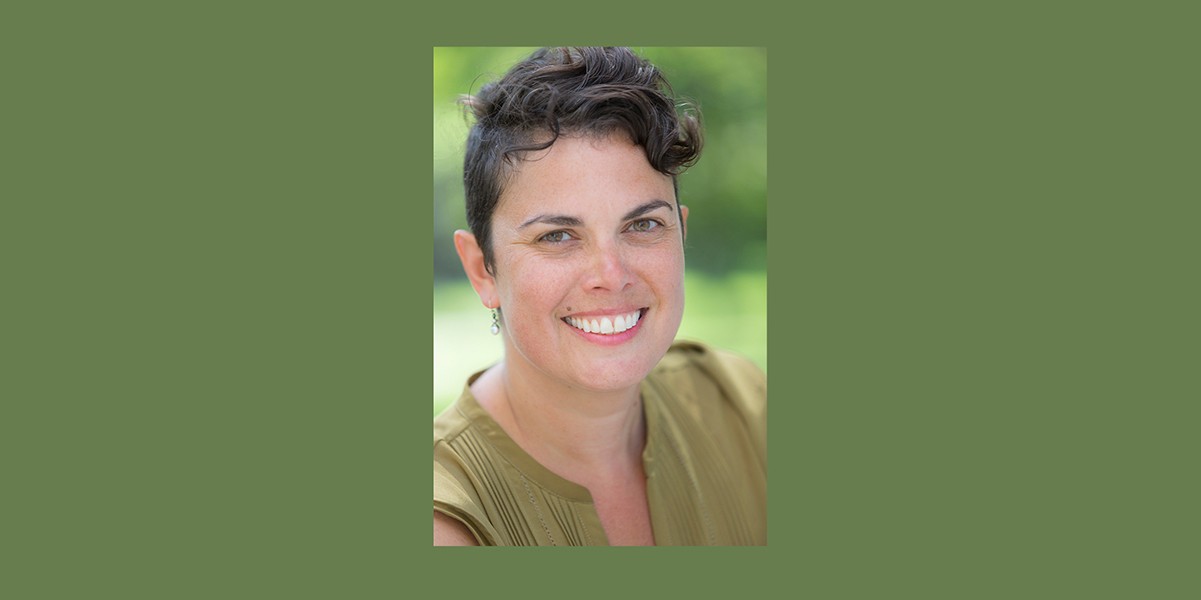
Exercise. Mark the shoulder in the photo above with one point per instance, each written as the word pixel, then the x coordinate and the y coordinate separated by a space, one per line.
pixel 458 508
pixel 721 393
pixel 735 377
pixel 449 531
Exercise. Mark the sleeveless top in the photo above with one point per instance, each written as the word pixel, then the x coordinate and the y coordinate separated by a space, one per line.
pixel 705 462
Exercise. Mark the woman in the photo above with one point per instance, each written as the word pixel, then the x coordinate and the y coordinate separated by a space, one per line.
pixel 595 428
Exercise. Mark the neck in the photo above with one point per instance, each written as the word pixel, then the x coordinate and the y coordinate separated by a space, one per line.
pixel 582 435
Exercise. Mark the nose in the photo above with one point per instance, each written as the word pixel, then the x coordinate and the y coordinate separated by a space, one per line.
pixel 609 269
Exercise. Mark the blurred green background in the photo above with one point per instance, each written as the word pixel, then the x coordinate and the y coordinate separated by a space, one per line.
pixel 726 279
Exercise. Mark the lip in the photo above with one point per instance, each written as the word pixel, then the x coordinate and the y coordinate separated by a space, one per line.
pixel 611 339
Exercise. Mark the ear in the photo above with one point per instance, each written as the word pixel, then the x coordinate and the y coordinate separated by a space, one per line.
pixel 472 258
pixel 684 220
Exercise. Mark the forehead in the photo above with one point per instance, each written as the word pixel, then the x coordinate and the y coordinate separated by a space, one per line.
pixel 578 173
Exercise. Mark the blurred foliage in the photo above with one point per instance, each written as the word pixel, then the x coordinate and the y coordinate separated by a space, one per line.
pixel 726 191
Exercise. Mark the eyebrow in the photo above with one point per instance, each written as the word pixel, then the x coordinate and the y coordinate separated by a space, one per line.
pixel 566 221
pixel 563 220
pixel 645 208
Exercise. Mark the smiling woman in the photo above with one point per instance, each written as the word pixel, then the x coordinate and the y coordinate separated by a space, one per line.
pixel 571 239
pixel 596 427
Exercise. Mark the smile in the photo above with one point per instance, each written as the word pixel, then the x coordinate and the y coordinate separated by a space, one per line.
pixel 605 325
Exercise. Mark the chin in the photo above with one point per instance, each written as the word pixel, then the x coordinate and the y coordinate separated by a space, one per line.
pixel 613 384
pixel 619 372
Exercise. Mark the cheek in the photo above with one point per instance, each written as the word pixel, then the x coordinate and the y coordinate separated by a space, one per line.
pixel 671 290
pixel 666 269
pixel 533 289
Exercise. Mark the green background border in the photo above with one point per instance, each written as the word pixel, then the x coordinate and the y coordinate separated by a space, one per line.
pixel 982 247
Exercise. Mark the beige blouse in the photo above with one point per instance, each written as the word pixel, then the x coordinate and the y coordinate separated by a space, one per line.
pixel 705 462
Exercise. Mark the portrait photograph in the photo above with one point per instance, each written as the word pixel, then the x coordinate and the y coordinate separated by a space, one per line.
pixel 600 296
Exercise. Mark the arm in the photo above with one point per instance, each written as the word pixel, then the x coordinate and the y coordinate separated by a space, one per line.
pixel 449 532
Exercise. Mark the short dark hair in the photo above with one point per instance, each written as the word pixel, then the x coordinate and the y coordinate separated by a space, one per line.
pixel 591 91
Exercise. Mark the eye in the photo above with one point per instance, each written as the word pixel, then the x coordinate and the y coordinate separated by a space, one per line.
pixel 643 225
pixel 556 237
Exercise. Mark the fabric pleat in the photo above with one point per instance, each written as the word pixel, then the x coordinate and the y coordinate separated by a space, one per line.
pixel 705 463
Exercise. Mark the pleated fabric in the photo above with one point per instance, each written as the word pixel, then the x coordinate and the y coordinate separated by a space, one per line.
pixel 705 462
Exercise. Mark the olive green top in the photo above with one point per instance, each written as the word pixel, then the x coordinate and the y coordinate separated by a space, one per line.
pixel 705 462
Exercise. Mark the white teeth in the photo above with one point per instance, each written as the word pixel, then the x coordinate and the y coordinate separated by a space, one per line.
pixel 606 325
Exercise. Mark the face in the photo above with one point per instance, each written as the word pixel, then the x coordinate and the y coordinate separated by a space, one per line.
pixel 589 264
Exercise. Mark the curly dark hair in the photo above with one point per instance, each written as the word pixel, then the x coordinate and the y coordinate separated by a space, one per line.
pixel 578 91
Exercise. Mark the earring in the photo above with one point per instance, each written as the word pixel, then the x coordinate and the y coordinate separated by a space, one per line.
pixel 495 323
